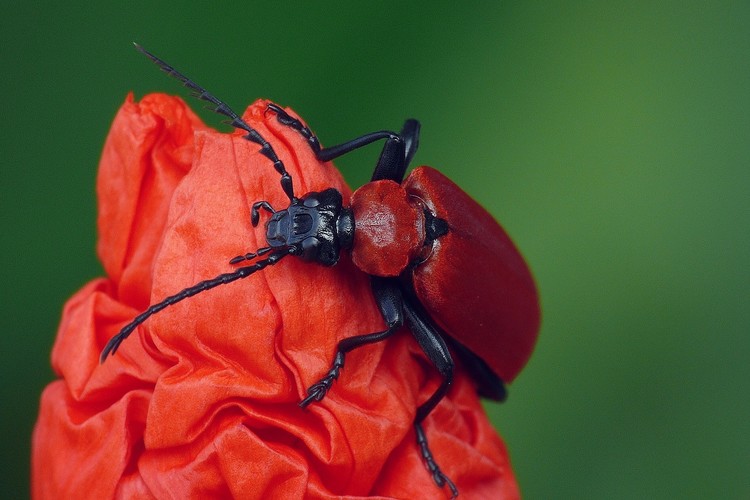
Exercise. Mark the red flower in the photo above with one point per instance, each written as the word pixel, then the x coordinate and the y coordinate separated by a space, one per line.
pixel 202 400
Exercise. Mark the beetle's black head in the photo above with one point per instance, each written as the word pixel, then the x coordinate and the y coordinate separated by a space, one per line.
pixel 316 226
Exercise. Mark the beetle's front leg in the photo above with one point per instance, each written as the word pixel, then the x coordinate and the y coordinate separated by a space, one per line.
pixel 255 211
pixel 394 158
pixel 391 303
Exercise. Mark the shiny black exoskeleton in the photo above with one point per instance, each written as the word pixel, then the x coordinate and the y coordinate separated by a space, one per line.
pixel 315 228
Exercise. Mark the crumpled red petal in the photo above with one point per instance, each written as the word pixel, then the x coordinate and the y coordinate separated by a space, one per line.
pixel 202 400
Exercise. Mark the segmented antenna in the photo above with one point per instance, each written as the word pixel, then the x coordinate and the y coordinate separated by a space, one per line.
pixel 235 121
pixel 222 279
pixel 275 255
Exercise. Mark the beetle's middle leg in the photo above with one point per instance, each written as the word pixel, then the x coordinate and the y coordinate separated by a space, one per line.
pixel 390 301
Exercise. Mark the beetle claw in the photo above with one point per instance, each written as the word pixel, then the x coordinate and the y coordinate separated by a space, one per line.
pixel 316 392
pixel 319 389
pixel 283 116
pixel 437 475
pixel 441 480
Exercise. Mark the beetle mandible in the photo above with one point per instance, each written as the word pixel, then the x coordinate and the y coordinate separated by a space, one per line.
pixel 452 274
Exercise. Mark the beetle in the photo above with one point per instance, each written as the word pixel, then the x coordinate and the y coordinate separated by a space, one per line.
pixel 438 262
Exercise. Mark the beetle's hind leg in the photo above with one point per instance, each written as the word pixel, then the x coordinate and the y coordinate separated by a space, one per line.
pixel 437 475
pixel 436 350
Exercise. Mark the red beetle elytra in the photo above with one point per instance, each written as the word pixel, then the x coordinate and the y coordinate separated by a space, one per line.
pixel 438 261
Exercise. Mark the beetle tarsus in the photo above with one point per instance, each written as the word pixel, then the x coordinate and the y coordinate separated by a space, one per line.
pixel 285 119
pixel 318 390
pixel 437 475
pixel 392 163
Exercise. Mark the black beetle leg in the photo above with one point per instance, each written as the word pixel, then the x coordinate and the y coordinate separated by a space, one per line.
pixel 437 351
pixel 410 134
pixel 297 125
pixel 394 159
pixel 255 212
pixel 388 296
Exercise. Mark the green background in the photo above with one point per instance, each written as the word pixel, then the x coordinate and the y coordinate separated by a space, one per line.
pixel 611 140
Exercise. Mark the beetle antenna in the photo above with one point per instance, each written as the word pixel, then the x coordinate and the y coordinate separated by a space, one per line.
pixel 250 256
pixel 222 279
pixel 236 121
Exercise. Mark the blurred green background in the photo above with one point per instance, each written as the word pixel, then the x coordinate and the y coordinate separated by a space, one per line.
pixel 611 140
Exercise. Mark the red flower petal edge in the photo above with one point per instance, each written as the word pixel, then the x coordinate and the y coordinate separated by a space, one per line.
pixel 202 400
